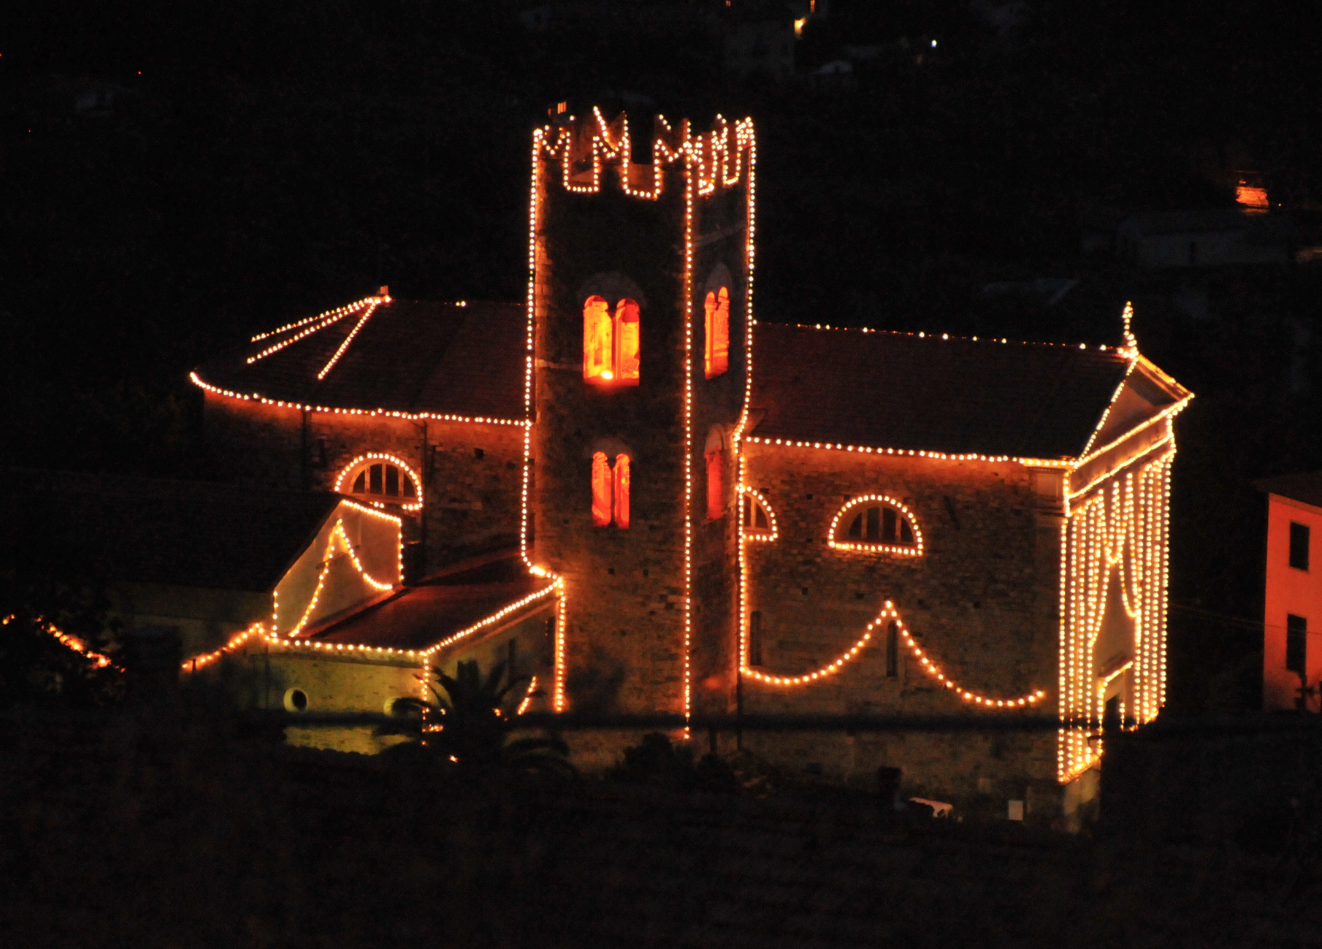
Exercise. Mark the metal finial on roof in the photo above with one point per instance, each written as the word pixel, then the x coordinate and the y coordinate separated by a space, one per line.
pixel 1131 341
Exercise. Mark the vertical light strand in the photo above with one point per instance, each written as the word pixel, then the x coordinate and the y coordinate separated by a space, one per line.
pixel 693 183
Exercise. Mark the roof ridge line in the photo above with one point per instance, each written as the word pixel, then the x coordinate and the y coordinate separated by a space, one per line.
pixel 944 337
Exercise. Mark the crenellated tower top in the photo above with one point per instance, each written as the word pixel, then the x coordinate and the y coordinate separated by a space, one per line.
pixel 589 148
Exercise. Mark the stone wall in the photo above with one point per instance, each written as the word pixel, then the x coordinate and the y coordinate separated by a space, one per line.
pixel 982 601
pixel 472 473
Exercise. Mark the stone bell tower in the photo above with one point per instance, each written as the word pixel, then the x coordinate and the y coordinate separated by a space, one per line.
pixel 641 262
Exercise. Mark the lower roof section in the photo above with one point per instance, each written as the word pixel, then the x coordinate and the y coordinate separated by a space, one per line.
pixel 474 598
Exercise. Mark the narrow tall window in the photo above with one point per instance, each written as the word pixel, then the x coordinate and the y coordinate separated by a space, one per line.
pixel 1299 546
pixel 715 490
pixel 610 491
pixel 626 342
pixel 717 307
pixel 1296 644
pixel 755 638
pixel 610 342
pixel 602 490
pixel 622 491
pixel 598 341
pixel 892 650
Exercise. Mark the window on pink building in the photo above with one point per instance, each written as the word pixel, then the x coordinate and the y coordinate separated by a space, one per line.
pixel 1299 546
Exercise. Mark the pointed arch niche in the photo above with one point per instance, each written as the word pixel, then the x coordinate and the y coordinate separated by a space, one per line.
pixel 716 322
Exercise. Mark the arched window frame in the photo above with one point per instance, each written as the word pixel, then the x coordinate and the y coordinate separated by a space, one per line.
pixel 717 332
pixel 348 474
pixel 610 490
pixel 612 342
pixel 843 517
pixel 751 503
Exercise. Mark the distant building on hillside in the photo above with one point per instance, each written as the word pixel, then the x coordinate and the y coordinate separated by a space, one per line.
pixel 1215 237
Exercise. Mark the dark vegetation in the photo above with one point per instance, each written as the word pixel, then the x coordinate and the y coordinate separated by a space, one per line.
pixel 156 829
pixel 250 162
pixel 470 726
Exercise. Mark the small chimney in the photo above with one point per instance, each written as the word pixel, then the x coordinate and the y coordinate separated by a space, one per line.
pixel 385 291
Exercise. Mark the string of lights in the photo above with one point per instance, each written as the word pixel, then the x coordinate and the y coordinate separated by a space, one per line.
pixel 904 550
pixel 1121 530
pixel 922 334
pixel 772 533
pixel 332 410
pixel 99 660
pixel 527 697
pixel 912 452
pixel 338 537
pixel 338 312
pixel 362 321
pixel 352 467
pixel 889 614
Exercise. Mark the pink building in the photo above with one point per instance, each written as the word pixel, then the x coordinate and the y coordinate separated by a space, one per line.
pixel 1292 618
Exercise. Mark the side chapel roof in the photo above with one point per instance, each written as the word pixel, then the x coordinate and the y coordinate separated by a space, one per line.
pixel 901 390
pixel 407 356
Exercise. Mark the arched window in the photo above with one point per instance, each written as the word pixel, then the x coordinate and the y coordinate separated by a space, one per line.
pixel 598 341
pixel 717 306
pixel 715 456
pixel 759 524
pixel 610 342
pixel 603 490
pixel 622 491
pixel 610 491
pixel 876 522
pixel 380 480
pixel 626 343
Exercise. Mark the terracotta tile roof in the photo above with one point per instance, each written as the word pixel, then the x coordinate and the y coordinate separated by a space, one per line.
pixel 182 533
pixel 896 390
pixel 408 356
pixel 422 615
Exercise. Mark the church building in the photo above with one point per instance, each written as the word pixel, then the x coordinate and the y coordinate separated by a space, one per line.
pixel 636 493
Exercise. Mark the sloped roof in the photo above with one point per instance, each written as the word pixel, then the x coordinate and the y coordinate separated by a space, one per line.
pixel 408 356
pixel 183 533
pixel 1306 486
pixel 899 390
pixel 420 616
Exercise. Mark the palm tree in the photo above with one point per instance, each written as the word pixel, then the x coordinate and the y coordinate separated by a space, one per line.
pixel 469 724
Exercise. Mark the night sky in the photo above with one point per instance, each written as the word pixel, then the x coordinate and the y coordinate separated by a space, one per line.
pixel 174 177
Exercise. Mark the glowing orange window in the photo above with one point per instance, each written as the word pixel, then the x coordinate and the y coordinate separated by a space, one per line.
pixel 622 491
pixel 718 332
pixel 610 491
pixel 626 343
pixel 610 343
pixel 598 341
pixel 715 495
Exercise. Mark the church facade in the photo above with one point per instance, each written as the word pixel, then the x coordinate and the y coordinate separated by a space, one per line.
pixel 636 493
